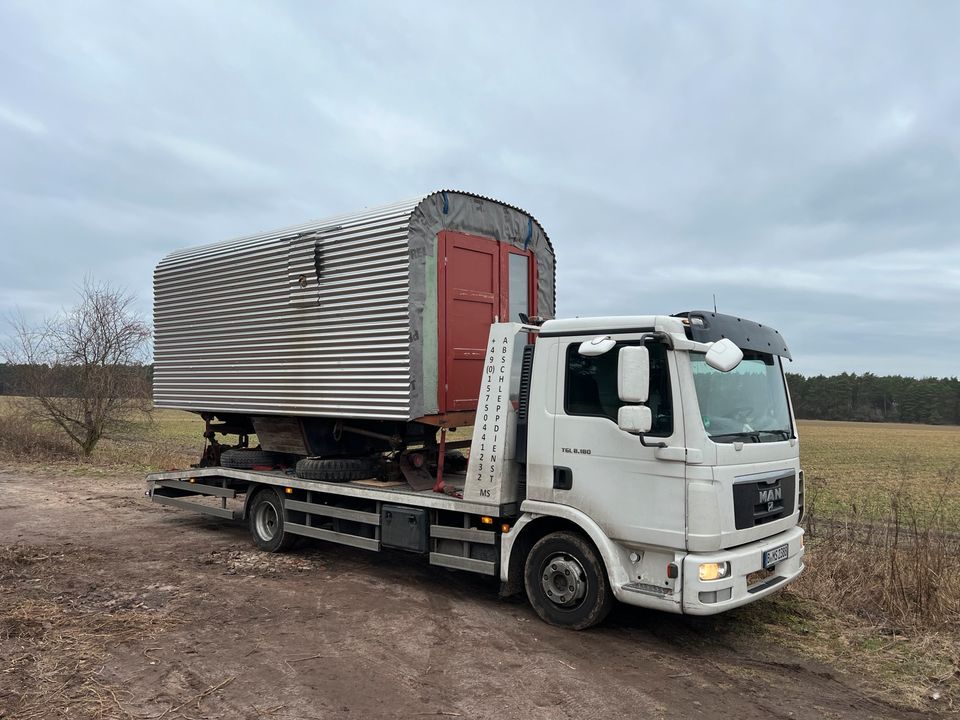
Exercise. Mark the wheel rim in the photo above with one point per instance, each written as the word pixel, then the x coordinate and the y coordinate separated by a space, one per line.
pixel 563 580
pixel 268 521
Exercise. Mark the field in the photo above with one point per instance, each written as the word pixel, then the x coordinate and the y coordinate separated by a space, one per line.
pixel 863 467
pixel 875 618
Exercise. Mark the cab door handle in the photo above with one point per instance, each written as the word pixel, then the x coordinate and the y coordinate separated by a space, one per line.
pixel 562 478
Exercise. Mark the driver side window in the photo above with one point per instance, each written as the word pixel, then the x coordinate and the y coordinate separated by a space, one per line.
pixel 590 386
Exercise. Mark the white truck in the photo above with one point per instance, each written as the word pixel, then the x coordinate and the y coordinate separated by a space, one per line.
pixel 649 459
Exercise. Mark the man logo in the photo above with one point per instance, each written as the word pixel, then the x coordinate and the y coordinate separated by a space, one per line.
pixel 770 496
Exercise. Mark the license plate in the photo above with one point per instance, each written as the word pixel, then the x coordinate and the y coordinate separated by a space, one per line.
pixel 772 557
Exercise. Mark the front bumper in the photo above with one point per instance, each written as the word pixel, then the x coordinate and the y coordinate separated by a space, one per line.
pixel 708 597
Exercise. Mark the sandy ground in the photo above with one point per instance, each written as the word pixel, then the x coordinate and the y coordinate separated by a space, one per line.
pixel 189 621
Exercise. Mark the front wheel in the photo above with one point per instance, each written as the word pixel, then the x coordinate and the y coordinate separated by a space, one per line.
pixel 266 522
pixel 566 582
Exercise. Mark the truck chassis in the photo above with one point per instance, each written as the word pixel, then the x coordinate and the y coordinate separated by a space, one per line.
pixel 454 533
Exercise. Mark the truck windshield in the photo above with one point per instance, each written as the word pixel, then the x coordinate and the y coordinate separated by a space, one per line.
pixel 747 404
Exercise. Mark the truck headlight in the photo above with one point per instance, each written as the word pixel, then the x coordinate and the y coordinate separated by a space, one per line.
pixel 714 571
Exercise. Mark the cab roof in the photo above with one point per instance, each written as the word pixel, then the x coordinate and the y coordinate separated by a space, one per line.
pixel 611 324
pixel 700 325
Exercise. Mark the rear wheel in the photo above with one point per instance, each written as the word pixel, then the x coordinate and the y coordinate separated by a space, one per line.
pixel 566 582
pixel 265 520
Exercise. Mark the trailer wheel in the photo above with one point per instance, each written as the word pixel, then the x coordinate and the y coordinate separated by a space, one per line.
pixel 337 469
pixel 265 519
pixel 248 459
pixel 566 582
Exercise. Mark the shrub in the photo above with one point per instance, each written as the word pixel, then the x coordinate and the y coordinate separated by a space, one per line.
pixel 22 437
pixel 901 571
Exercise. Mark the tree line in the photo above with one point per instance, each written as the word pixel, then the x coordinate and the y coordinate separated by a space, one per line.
pixel 876 398
pixel 867 397
pixel 67 381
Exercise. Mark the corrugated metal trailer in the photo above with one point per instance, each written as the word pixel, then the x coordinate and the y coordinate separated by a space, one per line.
pixel 380 315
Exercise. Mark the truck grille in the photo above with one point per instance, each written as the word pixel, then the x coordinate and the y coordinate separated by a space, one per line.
pixel 756 502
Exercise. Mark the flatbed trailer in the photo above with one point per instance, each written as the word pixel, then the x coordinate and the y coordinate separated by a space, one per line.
pixel 453 532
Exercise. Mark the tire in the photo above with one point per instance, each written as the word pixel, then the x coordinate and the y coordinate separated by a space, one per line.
pixel 455 461
pixel 566 581
pixel 247 459
pixel 337 469
pixel 265 520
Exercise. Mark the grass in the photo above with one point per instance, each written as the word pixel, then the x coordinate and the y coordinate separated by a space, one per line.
pixel 858 466
pixel 162 440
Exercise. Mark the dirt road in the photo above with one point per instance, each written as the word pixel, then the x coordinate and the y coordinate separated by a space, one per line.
pixel 113 607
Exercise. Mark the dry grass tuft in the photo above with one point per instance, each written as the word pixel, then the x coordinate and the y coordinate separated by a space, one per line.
pixel 883 579
pixel 902 571
pixel 61 657
pixel 917 670
pixel 53 648
pixel 162 440
pixel 21 438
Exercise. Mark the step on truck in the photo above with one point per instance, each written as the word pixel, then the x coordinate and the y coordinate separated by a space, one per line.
pixel 406 392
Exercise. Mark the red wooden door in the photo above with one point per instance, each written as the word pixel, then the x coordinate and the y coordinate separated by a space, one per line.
pixel 476 277
pixel 469 303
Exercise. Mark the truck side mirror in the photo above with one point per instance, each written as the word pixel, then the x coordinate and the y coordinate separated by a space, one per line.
pixel 636 419
pixel 724 355
pixel 633 374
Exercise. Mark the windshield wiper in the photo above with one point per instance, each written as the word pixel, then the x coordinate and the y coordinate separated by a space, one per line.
pixel 751 436
pixel 785 434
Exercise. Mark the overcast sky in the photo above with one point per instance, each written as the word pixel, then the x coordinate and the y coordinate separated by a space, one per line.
pixel 799 160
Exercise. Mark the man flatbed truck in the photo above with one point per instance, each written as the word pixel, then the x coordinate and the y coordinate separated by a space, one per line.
pixel 649 459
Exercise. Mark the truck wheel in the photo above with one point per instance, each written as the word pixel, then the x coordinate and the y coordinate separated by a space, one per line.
pixel 566 582
pixel 265 519
pixel 337 469
pixel 248 459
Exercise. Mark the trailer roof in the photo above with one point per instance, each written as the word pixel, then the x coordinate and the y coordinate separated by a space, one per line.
pixel 402 208
pixel 338 317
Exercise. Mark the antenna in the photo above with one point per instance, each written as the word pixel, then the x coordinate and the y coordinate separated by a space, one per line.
pixel 714 303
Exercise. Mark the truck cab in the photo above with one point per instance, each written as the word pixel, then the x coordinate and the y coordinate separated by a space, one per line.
pixel 670 441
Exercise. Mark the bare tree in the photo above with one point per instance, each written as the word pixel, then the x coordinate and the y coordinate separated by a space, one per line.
pixel 85 366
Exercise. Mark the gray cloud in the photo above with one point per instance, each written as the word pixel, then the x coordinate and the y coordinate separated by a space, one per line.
pixel 800 161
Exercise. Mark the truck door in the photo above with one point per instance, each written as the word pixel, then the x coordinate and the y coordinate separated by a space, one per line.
pixel 605 472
